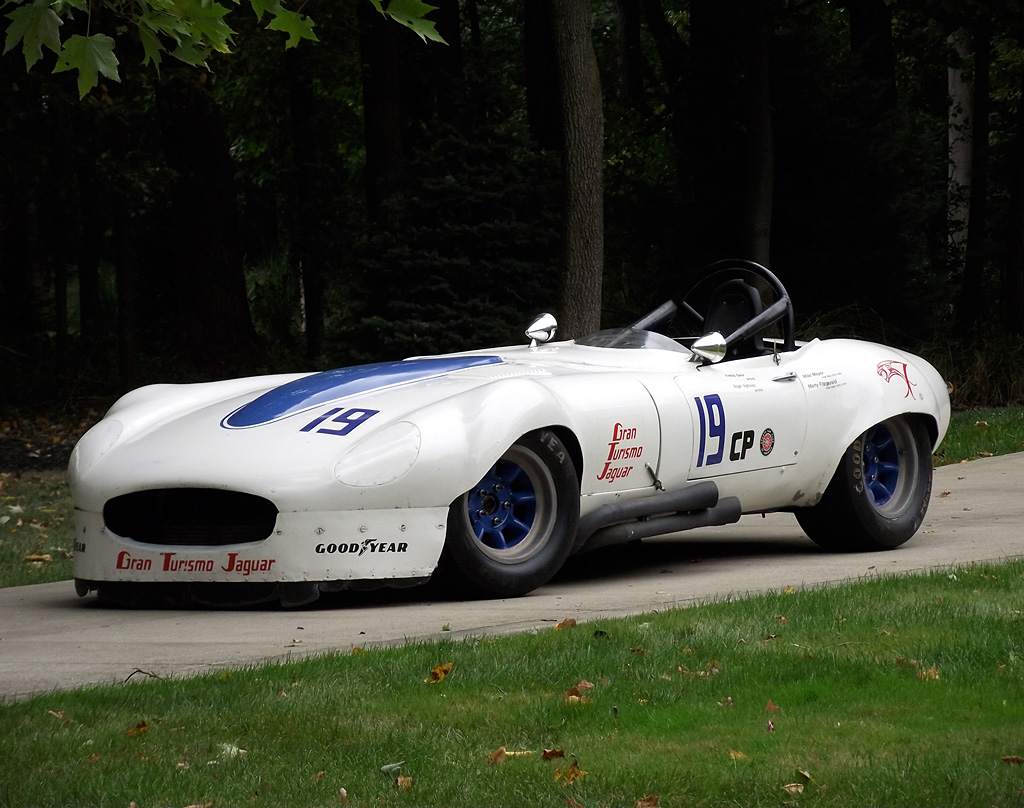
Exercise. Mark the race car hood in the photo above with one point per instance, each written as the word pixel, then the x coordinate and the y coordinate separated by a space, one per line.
pixel 292 439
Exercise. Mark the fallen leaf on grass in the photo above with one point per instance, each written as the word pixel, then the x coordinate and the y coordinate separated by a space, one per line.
pixel 551 754
pixel 318 777
pixel 930 675
pixel 403 783
pixel 93 758
pixel 139 729
pixel 794 788
pixel 771 707
pixel 439 673
pixel 497 756
pixel 735 754
pixel 574 695
pixel 570 775
pixel 1015 760
pixel 648 802
pixel 569 622
pixel 39 558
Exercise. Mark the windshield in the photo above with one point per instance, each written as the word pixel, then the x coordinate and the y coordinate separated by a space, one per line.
pixel 631 338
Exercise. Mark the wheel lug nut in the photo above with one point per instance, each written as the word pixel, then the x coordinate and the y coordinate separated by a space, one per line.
pixel 495 521
pixel 506 505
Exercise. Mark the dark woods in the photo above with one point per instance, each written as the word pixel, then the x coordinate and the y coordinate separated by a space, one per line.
pixel 371 196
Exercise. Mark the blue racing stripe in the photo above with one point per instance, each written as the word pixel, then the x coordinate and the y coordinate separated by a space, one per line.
pixel 332 385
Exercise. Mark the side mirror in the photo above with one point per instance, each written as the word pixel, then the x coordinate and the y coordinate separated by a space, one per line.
pixel 542 329
pixel 711 347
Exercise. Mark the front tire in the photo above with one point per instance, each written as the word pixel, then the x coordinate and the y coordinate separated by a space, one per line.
pixel 514 529
pixel 879 494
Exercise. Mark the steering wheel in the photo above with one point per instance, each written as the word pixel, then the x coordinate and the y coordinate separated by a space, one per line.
pixel 780 309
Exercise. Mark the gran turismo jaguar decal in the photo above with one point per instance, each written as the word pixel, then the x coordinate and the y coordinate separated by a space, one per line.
pixel 620 448
pixel 172 562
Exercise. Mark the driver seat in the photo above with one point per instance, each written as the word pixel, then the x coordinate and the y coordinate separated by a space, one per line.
pixel 733 304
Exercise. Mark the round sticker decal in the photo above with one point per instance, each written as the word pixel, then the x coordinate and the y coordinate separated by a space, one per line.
pixel 767 442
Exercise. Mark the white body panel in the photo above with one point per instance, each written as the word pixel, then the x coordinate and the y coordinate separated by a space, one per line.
pixel 370 470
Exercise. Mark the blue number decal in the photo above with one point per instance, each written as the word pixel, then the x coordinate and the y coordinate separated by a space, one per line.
pixel 712 425
pixel 349 418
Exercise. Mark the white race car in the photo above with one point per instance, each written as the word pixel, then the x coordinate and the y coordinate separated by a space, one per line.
pixel 490 468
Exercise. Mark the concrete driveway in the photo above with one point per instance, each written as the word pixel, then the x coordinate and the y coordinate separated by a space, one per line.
pixel 50 639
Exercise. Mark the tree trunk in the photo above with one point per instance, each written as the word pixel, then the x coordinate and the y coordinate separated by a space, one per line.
pixel 216 327
pixel 969 311
pixel 958 128
pixel 582 160
pixel 1012 291
pixel 760 143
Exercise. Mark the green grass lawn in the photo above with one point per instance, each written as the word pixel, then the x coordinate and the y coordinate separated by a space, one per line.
pixel 891 692
pixel 982 433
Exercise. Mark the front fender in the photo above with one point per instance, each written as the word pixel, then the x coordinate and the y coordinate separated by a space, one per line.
pixel 852 385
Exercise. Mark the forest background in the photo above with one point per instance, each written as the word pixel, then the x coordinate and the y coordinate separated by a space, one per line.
pixel 343 188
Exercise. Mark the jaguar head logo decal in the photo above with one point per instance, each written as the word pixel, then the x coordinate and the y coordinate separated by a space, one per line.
pixel 893 368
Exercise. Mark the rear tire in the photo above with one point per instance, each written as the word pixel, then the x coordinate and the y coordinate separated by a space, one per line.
pixel 879 494
pixel 513 531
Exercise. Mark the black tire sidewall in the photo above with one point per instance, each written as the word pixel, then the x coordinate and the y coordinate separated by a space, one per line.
pixel 870 529
pixel 476 574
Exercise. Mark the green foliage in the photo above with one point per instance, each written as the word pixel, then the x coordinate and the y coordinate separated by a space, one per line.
pixel 90 56
pixel 189 30
pixel 412 14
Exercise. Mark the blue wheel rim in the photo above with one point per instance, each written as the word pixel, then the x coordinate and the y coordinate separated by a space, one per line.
pixel 503 506
pixel 881 464
pixel 512 511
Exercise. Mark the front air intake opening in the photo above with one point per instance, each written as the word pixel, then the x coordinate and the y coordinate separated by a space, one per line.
pixel 190 517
